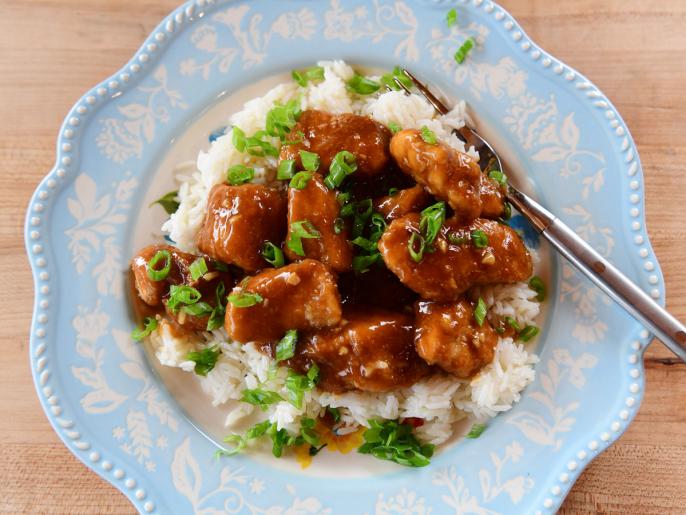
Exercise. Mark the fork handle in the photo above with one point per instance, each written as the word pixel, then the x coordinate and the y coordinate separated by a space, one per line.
pixel 606 276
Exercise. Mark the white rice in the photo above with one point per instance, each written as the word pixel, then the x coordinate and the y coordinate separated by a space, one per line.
pixel 440 400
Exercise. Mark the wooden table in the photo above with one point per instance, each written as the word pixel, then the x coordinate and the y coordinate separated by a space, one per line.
pixel 51 51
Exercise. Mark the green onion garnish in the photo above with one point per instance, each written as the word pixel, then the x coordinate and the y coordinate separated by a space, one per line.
pixel 394 127
pixel 392 191
pixel 260 398
pixel 537 285
pixel 272 254
pixel 256 146
pixel 308 433
pixel 476 431
pixel 299 138
pixel 198 268
pixel 397 73
pixel 335 413
pixel 451 17
pixel 286 169
pixel 309 160
pixel 300 180
pixel 300 230
pixel 462 52
pixel 169 202
pixel 239 174
pixel 338 225
pixel 431 221
pixel 149 325
pixel 393 441
pixel 479 239
pixel 282 118
pixel 205 360
pixel 416 247
pixel 245 299
pixel 361 264
pixel 285 349
pixel 316 73
pixel 198 309
pixel 480 311
pixel 507 211
pixel 362 85
pixel 343 164
pixel 182 296
pixel 238 138
pixel 154 272
pixel 498 177
pixel 513 323
pixel 298 384
pixel 528 333
pixel 428 135
pixel 216 319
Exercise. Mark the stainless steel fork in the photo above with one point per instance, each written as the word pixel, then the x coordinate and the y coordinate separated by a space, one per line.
pixel 608 278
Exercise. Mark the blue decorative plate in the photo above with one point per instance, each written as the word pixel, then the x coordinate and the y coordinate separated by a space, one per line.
pixel 90 212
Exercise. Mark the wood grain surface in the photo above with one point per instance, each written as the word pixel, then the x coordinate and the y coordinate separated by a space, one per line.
pixel 51 51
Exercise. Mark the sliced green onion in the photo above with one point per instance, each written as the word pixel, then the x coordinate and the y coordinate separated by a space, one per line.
pixel 388 79
pixel 338 225
pixel 451 17
pixel 416 247
pixel 149 325
pixel 256 146
pixel 394 127
pixel 498 177
pixel 537 285
pixel 238 138
pixel 272 254
pixel 316 73
pixel 260 398
pixel 335 413
pixel 480 311
pixel 282 118
pixel 159 274
pixel 428 135
pixel 362 211
pixel 216 319
pixel 529 332
pixel 476 431
pixel 377 226
pixel 513 323
pixel 198 268
pixel 258 430
pixel 362 85
pixel 236 441
pixel 431 221
pixel 362 264
pixel 507 211
pixel 302 229
pixel 298 384
pixel 245 299
pixel 392 191
pixel 464 49
pixel 285 349
pixel 182 296
pixel 198 309
pixel 343 164
pixel 364 243
pixel 239 174
pixel 300 180
pixel 286 169
pixel 169 202
pixel 393 441
pixel 309 160
pixel 205 360
pixel 479 239
pixel 299 138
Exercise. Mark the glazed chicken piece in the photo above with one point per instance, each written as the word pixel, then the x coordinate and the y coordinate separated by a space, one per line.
pixel 492 198
pixel 239 220
pixel 449 336
pixel 156 293
pixel 327 134
pixel 446 173
pixel 317 204
pixel 370 350
pixel 457 263
pixel 300 296
pixel 405 201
